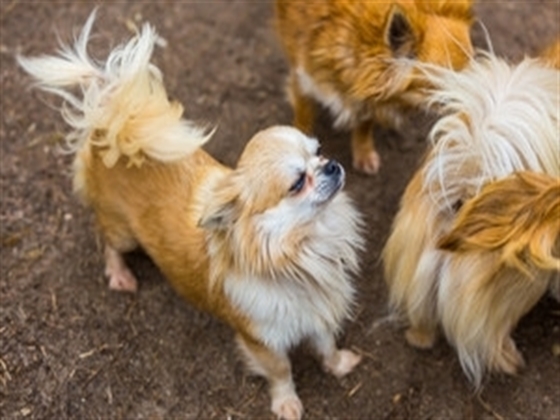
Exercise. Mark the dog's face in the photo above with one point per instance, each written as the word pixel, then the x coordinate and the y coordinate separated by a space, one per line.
pixel 281 183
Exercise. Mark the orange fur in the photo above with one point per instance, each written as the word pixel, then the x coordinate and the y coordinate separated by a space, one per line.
pixel 268 247
pixel 357 58
pixel 519 217
pixel 551 54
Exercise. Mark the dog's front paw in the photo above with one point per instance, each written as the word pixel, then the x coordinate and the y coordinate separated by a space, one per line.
pixel 343 363
pixel 287 407
pixel 368 163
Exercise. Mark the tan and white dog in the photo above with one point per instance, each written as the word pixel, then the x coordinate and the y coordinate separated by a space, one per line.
pixel 499 119
pixel 269 247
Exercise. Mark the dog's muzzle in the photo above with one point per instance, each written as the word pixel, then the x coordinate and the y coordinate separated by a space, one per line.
pixel 331 180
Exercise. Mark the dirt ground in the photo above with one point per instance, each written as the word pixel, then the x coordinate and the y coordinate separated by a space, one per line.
pixel 70 348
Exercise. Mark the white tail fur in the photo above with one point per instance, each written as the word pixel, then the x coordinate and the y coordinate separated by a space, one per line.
pixel 124 107
pixel 499 119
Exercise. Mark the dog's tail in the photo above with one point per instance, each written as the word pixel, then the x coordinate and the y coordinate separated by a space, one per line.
pixel 122 106
pixel 497 118
pixel 518 216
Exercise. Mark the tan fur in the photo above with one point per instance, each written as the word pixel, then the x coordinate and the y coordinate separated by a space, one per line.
pixel 271 260
pixel 519 217
pixel 498 119
pixel 551 54
pixel 506 251
pixel 360 55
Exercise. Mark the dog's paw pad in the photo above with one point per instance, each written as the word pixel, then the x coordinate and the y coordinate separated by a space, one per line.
pixel 420 339
pixel 287 408
pixel 122 280
pixel 346 361
pixel 368 163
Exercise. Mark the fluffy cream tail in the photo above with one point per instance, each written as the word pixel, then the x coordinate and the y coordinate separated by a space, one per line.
pixel 123 108
pixel 497 119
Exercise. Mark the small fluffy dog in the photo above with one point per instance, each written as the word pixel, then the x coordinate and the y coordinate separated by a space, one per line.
pixel 506 254
pixel 268 247
pixel 357 59
pixel 498 119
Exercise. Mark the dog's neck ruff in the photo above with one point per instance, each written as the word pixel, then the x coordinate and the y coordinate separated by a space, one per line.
pixel 308 293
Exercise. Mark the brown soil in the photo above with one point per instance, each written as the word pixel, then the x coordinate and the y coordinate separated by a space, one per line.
pixel 70 348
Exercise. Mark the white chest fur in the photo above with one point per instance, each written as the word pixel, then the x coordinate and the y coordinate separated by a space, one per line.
pixel 284 311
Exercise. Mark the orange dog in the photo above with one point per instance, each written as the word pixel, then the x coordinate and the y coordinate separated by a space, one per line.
pixel 358 58
pixel 499 119
pixel 269 247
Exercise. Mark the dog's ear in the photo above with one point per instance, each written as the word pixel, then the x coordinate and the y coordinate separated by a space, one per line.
pixel 399 35
pixel 221 208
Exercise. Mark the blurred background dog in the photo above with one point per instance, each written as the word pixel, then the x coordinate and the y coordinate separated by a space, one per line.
pixel 357 59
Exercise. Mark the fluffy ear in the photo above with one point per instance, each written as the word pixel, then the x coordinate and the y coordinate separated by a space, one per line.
pixel 221 208
pixel 399 35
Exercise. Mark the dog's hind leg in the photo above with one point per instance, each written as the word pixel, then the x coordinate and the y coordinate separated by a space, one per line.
pixel 118 240
pixel 276 368
pixel 120 276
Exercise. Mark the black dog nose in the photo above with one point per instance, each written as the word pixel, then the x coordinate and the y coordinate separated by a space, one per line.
pixel 331 168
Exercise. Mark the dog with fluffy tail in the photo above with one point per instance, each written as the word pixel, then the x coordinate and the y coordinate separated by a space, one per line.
pixel 269 247
pixel 497 119
pixel 505 255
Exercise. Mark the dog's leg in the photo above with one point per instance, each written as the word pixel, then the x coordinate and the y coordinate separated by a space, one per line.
pixel 276 368
pixel 422 337
pixel 120 276
pixel 118 240
pixel 365 158
pixel 303 106
pixel 339 362
pixel 510 360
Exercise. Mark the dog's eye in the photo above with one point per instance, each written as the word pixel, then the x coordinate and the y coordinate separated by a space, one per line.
pixel 319 151
pixel 299 184
pixel 457 205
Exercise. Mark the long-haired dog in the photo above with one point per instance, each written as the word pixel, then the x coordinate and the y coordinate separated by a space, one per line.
pixel 498 119
pixel 269 247
pixel 357 58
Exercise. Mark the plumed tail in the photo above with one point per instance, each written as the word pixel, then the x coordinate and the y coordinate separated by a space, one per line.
pixel 497 118
pixel 122 107
pixel 518 216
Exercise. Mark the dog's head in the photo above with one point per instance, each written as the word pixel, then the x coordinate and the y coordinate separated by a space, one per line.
pixel 282 182
pixel 281 211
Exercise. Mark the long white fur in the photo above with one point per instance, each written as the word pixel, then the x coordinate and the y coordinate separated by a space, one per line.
pixel 127 86
pixel 500 118
pixel 317 279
